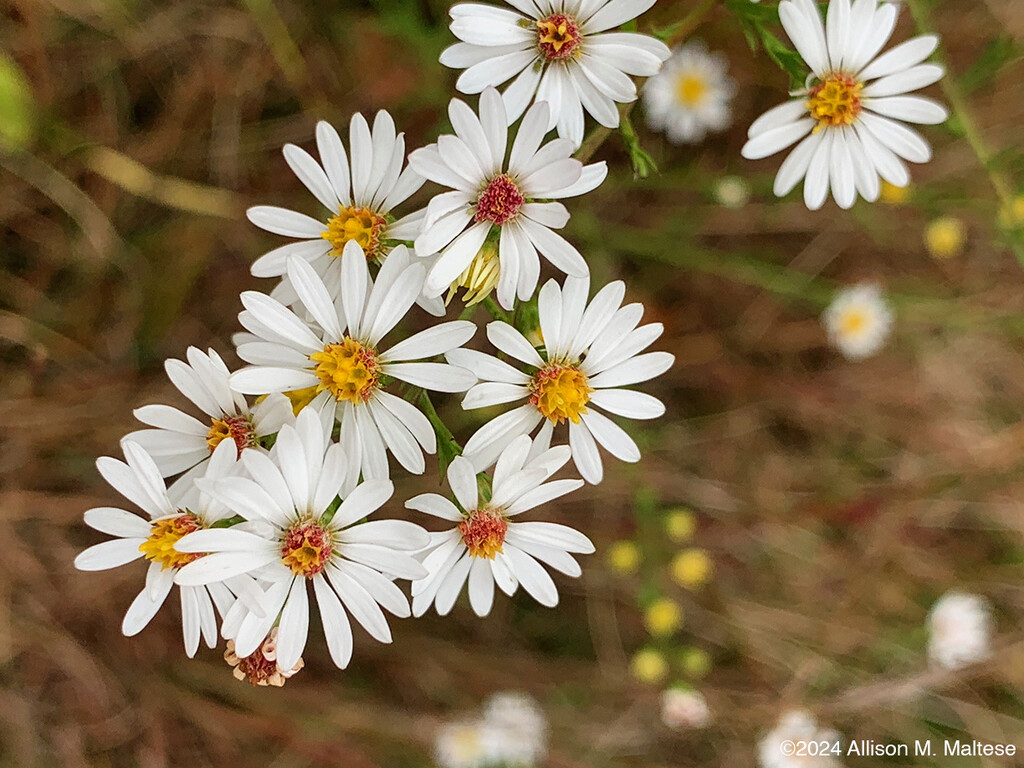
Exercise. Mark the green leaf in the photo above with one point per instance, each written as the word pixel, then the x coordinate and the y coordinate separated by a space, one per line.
pixel 17 106
pixel 997 53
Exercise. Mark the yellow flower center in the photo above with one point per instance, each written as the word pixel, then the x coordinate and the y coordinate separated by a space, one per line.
pixel 853 322
pixel 691 90
pixel 835 102
pixel 237 428
pixel 560 392
pixel 347 370
pixel 359 224
pixel 479 278
pixel 558 37
pixel 164 534
pixel 484 532
pixel 306 549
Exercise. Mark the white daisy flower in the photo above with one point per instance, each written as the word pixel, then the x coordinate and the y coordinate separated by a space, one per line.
pixel 140 482
pixel 486 546
pixel 179 442
pixel 292 540
pixel 960 630
pixel 519 728
pixel 590 353
pixel 851 117
pixel 683 708
pixel 497 199
pixel 691 96
pixel 858 321
pixel 359 194
pixel 798 726
pixel 341 355
pixel 559 51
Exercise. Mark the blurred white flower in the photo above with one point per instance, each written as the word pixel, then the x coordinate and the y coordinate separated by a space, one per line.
pixel 732 192
pixel 519 726
pixel 960 630
pixel 691 96
pixel 775 750
pixel 858 321
pixel 464 744
pixel 850 120
pixel 682 709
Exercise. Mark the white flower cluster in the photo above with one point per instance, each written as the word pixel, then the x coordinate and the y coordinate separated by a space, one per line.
pixel 279 497
pixel 271 497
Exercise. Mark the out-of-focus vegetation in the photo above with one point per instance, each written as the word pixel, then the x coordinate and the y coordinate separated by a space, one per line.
pixel 835 501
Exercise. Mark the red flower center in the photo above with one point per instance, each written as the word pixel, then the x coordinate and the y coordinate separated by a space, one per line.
pixel 484 533
pixel 500 201
pixel 306 549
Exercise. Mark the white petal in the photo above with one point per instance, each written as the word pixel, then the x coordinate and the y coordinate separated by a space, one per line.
pixel 109 554
pixel 281 221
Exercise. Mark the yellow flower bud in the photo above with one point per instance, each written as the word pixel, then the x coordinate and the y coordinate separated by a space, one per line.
pixel 680 525
pixel 692 568
pixel 695 662
pixel 663 617
pixel 649 666
pixel 945 237
pixel 894 195
pixel 1011 216
pixel 624 557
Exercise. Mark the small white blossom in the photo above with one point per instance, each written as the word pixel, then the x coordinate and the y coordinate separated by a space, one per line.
pixel 858 321
pixel 960 630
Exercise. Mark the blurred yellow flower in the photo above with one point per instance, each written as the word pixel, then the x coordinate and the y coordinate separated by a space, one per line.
pixel 894 195
pixel 691 568
pixel 649 666
pixel 1011 216
pixel 680 525
pixel 732 192
pixel 945 237
pixel 663 617
pixel 624 557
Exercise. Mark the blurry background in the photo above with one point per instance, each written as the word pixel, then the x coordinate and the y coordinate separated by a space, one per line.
pixel 836 501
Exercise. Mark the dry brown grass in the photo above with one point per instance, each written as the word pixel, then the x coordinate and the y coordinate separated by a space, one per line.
pixel 838 500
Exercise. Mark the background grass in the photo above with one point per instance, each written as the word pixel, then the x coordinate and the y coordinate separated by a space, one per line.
pixel 838 500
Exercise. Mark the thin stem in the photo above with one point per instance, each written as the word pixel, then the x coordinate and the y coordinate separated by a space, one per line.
pixel 689 23
pixel 972 134
pixel 496 311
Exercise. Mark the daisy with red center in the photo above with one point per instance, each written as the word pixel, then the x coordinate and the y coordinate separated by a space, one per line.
pixel 340 356
pixel 558 51
pixel 359 194
pixel 181 443
pixel 139 481
pixel 493 202
pixel 850 121
pixel 488 546
pixel 591 351
pixel 296 538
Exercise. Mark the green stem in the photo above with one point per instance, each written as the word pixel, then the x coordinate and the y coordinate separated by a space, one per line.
pixel 972 134
pixel 496 311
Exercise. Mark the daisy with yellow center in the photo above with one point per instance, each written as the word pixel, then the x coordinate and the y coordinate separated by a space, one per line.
pixel 487 545
pixel 508 205
pixel 858 321
pixel 567 53
pixel 340 354
pixel 295 545
pixel 850 121
pixel 179 442
pixel 156 540
pixel 359 194
pixel 591 351
pixel 691 96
